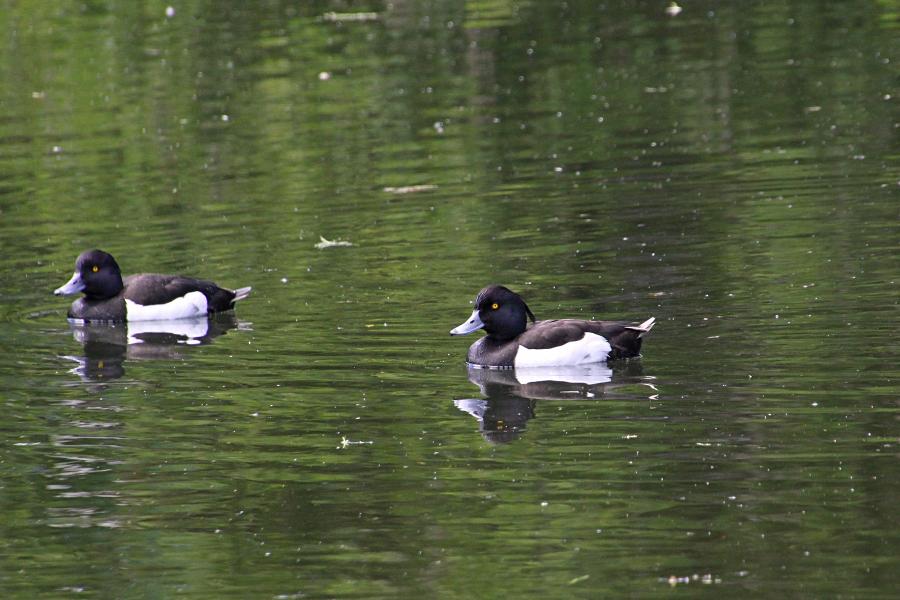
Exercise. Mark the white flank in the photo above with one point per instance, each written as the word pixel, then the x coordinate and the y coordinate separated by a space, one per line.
pixel 592 348
pixel 192 304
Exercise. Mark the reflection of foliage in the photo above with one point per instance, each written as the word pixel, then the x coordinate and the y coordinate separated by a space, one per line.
pixel 137 116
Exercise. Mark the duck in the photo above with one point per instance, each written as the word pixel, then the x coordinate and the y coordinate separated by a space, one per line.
pixel 142 297
pixel 515 339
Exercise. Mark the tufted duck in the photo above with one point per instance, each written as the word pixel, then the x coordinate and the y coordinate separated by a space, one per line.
pixel 143 297
pixel 512 342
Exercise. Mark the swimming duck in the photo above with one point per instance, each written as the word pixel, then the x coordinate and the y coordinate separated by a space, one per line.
pixel 512 342
pixel 143 297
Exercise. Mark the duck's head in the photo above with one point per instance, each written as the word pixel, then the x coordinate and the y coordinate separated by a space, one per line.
pixel 499 311
pixel 96 274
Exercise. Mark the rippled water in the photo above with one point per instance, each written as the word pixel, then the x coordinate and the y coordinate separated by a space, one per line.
pixel 731 171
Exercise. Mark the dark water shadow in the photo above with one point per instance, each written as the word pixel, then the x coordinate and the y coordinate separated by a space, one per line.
pixel 510 396
pixel 106 346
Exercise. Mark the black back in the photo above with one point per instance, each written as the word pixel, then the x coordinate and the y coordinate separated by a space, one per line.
pixel 150 288
pixel 550 334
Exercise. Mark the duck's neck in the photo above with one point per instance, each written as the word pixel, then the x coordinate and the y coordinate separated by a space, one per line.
pixel 107 288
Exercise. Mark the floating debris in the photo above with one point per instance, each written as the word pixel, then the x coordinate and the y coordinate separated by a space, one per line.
pixel 410 189
pixel 673 10
pixel 345 442
pixel 705 579
pixel 331 243
pixel 355 17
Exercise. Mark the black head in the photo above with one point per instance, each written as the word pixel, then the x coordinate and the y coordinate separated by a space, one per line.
pixel 96 274
pixel 499 311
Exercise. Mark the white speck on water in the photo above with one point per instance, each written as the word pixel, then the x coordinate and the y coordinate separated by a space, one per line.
pixel 225 118
pixel 284 280
pixel 544 504
pixel 170 11
pixel 410 189
pixel 438 126
pixel 324 76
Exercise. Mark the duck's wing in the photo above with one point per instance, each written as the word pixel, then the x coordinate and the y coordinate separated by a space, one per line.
pixel 624 337
pixel 151 289
pixel 553 333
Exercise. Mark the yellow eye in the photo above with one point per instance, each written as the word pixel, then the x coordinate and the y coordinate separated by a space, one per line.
pixel 95 268
pixel 495 306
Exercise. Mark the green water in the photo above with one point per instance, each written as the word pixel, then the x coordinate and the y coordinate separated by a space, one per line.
pixel 732 171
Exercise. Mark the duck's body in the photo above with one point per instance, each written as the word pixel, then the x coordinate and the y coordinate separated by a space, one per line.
pixel 144 297
pixel 513 342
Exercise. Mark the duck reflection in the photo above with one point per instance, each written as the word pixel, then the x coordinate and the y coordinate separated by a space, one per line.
pixel 510 395
pixel 107 345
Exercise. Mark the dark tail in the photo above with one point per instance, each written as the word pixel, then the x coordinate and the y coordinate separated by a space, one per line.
pixel 644 327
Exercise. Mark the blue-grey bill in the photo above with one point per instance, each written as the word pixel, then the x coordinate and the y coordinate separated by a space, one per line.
pixel 471 324
pixel 73 286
